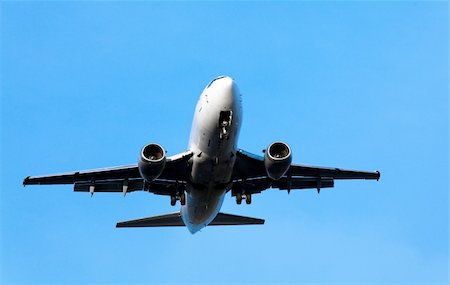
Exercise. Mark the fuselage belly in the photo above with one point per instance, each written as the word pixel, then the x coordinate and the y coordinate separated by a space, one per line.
pixel 213 140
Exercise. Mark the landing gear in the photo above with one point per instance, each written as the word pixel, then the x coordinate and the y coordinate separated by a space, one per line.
pixel 225 118
pixel 223 134
pixel 182 199
pixel 223 131
pixel 238 198
pixel 248 199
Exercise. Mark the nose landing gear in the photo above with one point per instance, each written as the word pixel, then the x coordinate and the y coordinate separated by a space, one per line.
pixel 223 133
pixel 224 122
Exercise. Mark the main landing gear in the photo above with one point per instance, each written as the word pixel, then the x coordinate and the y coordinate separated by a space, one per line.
pixel 181 197
pixel 239 197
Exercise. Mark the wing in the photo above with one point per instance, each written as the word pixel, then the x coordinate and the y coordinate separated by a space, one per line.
pixel 249 175
pixel 122 178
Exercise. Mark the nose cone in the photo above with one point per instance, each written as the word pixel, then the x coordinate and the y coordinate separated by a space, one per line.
pixel 227 86
pixel 225 82
pixel 225 90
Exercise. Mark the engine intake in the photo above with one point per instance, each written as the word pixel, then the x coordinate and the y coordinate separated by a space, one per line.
pixel 277 160
pixel 152 161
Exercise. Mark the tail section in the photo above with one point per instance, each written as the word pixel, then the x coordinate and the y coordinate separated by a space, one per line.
pixel 174 220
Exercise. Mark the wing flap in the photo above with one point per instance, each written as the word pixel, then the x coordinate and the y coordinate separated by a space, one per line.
pixel 159 187
pixel 257 185
pixel 293 183
pixel 110 186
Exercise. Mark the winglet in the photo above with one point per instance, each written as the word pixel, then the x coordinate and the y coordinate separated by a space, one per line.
pixel 25 181
pixel 378 175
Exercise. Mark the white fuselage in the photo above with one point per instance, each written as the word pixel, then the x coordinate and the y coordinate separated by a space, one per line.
pixel 213 141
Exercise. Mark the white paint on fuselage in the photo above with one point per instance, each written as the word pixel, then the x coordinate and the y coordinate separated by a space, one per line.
pixel 214 154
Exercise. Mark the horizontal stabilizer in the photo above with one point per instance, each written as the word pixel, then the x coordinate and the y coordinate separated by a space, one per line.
pixel 174 220
pixel 167 220
pixel 223 219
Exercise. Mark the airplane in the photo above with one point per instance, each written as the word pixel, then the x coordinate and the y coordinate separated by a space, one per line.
pixel 213 165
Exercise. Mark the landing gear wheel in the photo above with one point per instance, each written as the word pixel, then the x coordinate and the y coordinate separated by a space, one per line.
pixel 173 200
pixel 238 198
pixel 223 133
pixel 182 199
pixel 248 199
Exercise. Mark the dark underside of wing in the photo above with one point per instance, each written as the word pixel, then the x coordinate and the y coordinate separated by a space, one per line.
pixel 121 178
pixel 249 175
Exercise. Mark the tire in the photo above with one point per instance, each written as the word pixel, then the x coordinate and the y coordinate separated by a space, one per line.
pixel 238 198
pixel 183 199
pixel 173 200
pixel 248 199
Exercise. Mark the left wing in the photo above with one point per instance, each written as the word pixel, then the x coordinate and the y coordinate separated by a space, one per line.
pixel 121 178
pixel 249 175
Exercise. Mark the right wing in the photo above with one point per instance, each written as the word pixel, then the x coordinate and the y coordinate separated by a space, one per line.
pixel 122 178
pixel 249 175
pixel 249 165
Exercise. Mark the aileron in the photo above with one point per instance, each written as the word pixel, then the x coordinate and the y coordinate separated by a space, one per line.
pixel 335 173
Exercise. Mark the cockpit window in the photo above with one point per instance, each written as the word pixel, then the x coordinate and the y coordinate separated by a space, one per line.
pixel 214 80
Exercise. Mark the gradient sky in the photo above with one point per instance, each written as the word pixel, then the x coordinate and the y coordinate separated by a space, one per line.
pixel 360 85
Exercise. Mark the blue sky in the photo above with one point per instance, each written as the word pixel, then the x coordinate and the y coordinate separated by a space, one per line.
pixel 360 85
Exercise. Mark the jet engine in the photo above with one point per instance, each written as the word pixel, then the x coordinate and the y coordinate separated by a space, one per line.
pixel 277 160
pixel 152 161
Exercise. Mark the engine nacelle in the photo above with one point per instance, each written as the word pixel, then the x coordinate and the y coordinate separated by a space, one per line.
pixel 277 160
pixel 152 161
